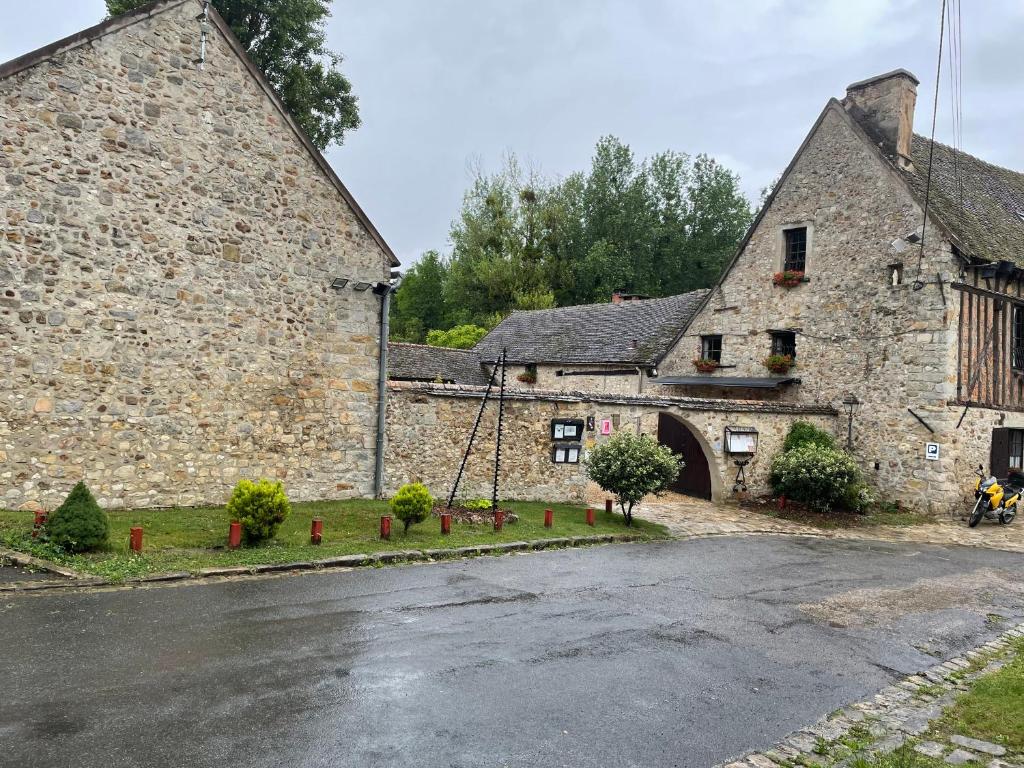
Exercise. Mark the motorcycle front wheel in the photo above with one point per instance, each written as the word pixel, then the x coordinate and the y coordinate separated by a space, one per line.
pixel 1007 515
pixel 978 512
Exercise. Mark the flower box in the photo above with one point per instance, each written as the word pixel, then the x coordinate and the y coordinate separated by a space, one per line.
pixel 788 279
pixel 779 363
pixel 705 365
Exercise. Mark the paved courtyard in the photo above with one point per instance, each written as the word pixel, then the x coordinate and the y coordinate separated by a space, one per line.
pixel 686 517
pixel 681 653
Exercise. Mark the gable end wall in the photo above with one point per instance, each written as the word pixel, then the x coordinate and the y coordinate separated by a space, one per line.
pixel 165 322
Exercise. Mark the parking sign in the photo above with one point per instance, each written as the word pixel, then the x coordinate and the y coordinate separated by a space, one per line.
pixel 931 451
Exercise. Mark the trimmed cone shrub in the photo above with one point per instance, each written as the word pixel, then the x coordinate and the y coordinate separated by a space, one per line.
pixel 260 507
pixel 802 433
pixel 817 475
pixel 412 504
pixel 79 524
pixel 632 466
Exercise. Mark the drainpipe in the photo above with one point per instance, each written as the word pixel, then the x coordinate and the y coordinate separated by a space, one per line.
pixel 384 290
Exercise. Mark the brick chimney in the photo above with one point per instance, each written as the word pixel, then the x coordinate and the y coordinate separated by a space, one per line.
pixel 884 108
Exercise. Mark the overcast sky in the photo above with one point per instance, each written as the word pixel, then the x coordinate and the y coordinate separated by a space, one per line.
pixel 445 82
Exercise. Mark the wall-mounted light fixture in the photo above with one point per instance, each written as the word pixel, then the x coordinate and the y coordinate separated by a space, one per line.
pixel 339 282
pixel 361 285
pixel 851 404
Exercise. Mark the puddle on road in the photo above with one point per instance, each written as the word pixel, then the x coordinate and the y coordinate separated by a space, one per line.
pixel 977 590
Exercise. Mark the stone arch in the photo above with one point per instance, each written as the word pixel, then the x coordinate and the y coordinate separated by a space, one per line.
pixel 700 477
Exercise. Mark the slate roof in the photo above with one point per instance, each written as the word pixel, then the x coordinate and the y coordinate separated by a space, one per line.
pixel 633 332
pixel 418 362
pixel 990 223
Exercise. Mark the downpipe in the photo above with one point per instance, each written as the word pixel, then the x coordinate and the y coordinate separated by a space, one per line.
pixel 386 290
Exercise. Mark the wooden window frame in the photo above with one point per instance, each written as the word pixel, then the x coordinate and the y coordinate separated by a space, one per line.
pixel 711 347
pixel 1017 339
pixel 798 262
pixel 779 345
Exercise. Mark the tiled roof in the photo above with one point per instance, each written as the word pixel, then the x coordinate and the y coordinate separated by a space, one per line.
pixel 418 362
pixel 990 223
pixel 633 332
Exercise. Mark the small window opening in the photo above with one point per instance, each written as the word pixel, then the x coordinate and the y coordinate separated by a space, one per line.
pixel 895 274
pixel 795 250
pixel 1017 449
pixel 784 343
pixel 711 347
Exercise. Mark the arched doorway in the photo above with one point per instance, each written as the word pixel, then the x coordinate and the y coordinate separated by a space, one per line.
pixel 695 478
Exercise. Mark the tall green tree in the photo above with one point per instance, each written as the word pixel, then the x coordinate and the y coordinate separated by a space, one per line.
pixel 286 39
pixel 418 306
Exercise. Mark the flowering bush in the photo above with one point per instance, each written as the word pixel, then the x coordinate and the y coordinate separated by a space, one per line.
pixel 632 466
pixel 803 432
pixel 819 476
pixel 789 278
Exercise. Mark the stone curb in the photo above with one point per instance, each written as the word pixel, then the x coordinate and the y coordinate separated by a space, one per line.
pixel 897 713
pixel 28 561
pixel 341 561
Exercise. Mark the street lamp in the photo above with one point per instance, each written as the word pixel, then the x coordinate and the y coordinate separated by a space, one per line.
pixel 851 403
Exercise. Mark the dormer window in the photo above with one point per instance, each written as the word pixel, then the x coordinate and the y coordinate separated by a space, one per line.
pixel 794 249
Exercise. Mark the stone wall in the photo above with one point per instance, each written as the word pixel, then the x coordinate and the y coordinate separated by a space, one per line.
pixel 890 346
pixel 429 426
pixel 166 325
pixel 583 377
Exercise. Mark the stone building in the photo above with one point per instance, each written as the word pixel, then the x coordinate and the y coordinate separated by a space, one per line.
pixel 420 362
pixel 612 348
pixel 904 332
pixel 170 239
pixel 918 324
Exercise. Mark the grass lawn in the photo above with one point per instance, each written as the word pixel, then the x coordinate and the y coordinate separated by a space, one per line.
pixel 992 710
pixel 188 539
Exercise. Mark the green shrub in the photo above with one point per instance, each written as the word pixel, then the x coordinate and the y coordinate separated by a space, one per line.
pixel 412 504
pixel 260 507
pixel 79 524
pixel 802 433
pixel 481 504
pixel 817 475
pixel 632 466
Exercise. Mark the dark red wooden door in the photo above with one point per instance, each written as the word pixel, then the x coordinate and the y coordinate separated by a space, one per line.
pixel 695 478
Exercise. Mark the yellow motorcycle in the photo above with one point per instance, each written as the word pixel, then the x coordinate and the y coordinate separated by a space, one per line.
pixel 995 501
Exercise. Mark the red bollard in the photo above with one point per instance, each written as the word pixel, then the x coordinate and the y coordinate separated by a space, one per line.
pixel 499 519
pixel 549 518
pixel 316 531
pixel 38 522
pixel 446 523
pixel 782 502
pixel 135 538
pixel 590 516
pixel 608 506
pixel 385 528
pixel 235 535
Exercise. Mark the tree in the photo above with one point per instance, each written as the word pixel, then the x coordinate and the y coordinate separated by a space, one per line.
pixel 632 466
pixel 287 41
pixel 459 337
pixel 79 524
pixel 418 305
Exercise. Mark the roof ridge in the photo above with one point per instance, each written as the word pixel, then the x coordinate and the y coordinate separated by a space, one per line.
pixel 428 346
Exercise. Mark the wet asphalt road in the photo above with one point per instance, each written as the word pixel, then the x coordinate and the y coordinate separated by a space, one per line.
pixel 681 653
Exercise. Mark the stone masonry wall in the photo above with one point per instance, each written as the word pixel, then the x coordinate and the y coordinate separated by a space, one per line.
pixel 890 346
pixel 591 380
pixel 429 426
pixel 165 322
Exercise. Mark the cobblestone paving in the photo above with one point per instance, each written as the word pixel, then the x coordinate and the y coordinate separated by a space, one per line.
pixel 898 714
pixel 687 517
